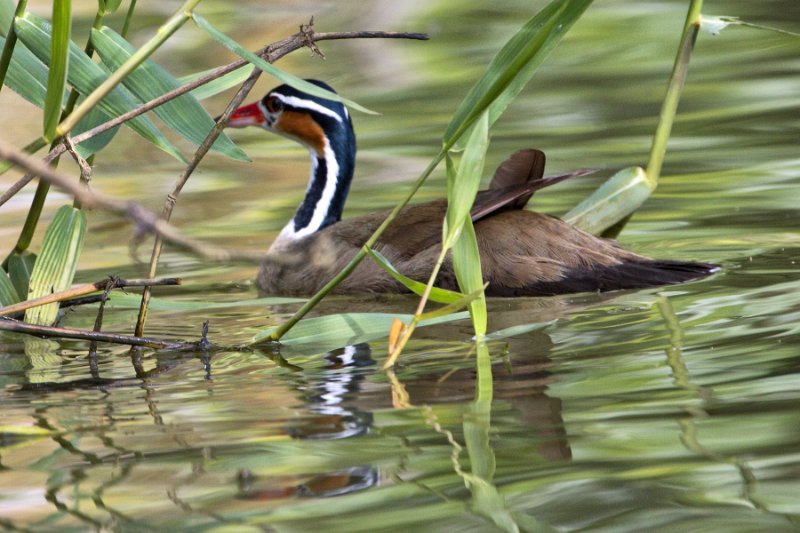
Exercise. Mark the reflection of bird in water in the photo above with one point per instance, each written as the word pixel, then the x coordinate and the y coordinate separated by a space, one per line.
pixel 522 252
pixel 326 397
pixel 325 485
pixel 331 420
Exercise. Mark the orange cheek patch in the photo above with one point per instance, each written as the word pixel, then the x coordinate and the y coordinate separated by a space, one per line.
pixel 302 127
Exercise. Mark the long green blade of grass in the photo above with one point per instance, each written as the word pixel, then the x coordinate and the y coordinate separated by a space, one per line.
pixel 184 114
pixel 59 59
pixel 514 64
pixel 86 76
pixel 270 69
pixel 57 262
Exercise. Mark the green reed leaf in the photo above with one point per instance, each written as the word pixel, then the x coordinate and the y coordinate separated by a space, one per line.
pixel 8 293
pixel 59 58
pixel 514 65
pixel 346 328
pixel 463 184
pixel 223 83
pixel 184 114
pixel 57 262
pixel 85 76
pixel 270 69
pixel 20 267
pixel 622 194
pixel 467 267
pixel 442 296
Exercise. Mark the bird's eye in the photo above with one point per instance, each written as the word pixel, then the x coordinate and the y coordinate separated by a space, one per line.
pixel 274 105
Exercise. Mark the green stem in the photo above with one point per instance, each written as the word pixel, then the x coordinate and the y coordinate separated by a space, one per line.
pixel 11 41
pixel 670 106
pixel 324 291
pixel 128 18
pixel 162 34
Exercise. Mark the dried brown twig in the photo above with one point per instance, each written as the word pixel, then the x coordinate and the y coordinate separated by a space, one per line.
pixel 82 290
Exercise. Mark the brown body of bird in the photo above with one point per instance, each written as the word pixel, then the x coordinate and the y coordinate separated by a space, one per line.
pixel 523 253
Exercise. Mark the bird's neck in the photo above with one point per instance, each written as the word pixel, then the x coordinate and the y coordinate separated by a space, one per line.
pixel 331 173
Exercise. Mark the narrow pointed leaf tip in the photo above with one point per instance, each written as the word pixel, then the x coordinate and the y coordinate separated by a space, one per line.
pixel 290 79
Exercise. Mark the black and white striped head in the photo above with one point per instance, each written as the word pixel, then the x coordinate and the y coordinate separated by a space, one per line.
pixel 325 128
pixel 315 122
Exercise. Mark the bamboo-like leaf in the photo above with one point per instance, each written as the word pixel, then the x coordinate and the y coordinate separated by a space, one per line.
pixel 85 76
pixel 57 262
pixel 20 268
pixel 346 328
pixel 515 64
pixel 442 296
pixel 270 69
pixel 184 114
pixel 223 83
pixel 467 267
pixel 462 185
pixel 57 73
pixel 8 293
pixel 622 194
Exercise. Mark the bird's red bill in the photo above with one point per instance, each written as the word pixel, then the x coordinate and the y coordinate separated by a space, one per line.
pixel 248 115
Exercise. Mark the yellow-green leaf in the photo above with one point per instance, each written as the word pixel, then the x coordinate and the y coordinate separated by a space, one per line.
pixel 57 262
pixel 622 194
pixel 285 77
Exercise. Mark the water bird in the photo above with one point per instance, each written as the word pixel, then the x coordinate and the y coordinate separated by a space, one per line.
pixel 523 253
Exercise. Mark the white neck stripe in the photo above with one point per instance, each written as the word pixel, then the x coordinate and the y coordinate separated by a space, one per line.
pixel 290 232
pixel 310 105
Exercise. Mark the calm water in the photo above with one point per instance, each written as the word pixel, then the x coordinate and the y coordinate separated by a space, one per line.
pixel 669 410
